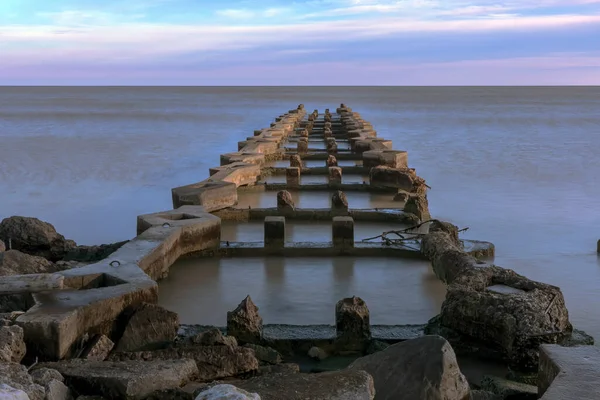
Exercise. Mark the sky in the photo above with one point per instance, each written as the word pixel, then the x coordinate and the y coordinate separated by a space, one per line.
pixel 314 42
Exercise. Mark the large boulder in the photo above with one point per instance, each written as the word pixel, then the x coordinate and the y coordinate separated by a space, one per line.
pixel 35 237
pixel 245 323
pixel 12 346
pixel 126 379
pixel 150 327
pixel 423 368
pixel 337 385
pixel 14 262
pixel 16 376
pixel 214 337
pixel 213 362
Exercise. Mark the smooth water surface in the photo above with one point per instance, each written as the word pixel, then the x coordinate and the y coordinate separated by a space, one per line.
pixel 518 166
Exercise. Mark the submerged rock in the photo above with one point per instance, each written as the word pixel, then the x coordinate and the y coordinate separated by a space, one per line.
pixel 245 323
pixel 214 337
pixel 265 354
pixel 151 326
pixel 10 393
pixel 35 237
pixel 423 368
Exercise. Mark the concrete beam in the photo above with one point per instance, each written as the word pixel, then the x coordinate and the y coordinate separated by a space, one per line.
pixel 211 195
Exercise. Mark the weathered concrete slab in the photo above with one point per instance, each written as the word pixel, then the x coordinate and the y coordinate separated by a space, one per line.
pixel 211 195
pixel 569 372
pixel 245 157
pixel 387 158
pixel 125 379
pixel 33 283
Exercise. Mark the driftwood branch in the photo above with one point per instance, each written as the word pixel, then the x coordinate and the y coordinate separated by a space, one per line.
pixel 404 235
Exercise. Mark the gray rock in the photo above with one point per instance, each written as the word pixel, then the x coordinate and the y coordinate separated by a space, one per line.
pixel 16 376
pixel 336 385
pixel 352 324
pixel 423 368
pixel 125 379
pixel 9 393
pixel 214 337
pixel 150 327
pixel 213 362
pixel 14 262
pixel 12 346
pixel 265 354
pixel 2 246
pixel 35 237
pixel 509 389
pixel 230 392
pixel 56 390
pixel 376 346
pixel 245 323
pixel 98 348
pixel 43 376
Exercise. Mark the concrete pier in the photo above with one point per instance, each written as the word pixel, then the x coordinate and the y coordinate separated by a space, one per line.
pixel 274 232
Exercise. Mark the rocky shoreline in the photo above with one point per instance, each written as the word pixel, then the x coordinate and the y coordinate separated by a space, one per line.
pixel 81 322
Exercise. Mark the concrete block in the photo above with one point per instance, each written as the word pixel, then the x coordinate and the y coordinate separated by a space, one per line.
pixel 211 195
pixel 274 231
pixel 387 158
pixel 239 173
pixel 292 176
pixel 342 231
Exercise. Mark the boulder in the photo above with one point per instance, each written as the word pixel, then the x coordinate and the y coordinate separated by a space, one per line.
pixel 331 161
pixel 56 390
pixel 125 379
pixel 2 246
pixel 423 368
pixel 12 346
pixel 14 262
pixel 226 392
pixel 212 362
pixel 339 201
pixel 98 348
pixel 16 376
pixel 418 205
pixel 10 393
pixel 352 324
pixel 35 237
pixel 337 385
pixel 150 327
pixel 285 201
pixel 43 376
pixel 245 323
pixel 295 161
pixel 214 337
pixel 265 354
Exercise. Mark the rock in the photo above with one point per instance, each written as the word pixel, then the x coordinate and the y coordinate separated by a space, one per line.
pixel 214 337
pixel 98 348
pixel 170 394
pixel 331 161
pixel 265 354
pixel 423 368
pixel 226 392
pixel 318 353
pixel 56 390
pixel 43 376
pixel 285 368
pixel 92 253
pixel 447 259
pixel 91 398
pixel 14 262
pixel 352 324
pixel 35 237
pixel 509 389
pixel 376 346
pixel 12 346
pixel 331 145
pixel 295 161
pixel 10 393
pixel 335 175
pixel 285 201
pixel 401 196
pixel 419 206
pixel 16 376
pixel 213 362
pixel 446 227
pixel 339 201
pixel 403 179
pixel 125 379
pixel 244 322
pixel 336 385
pixel 150 327
pixel 2 246
pixel 483 395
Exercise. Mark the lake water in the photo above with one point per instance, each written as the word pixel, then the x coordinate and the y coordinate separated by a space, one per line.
pixel 518 166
